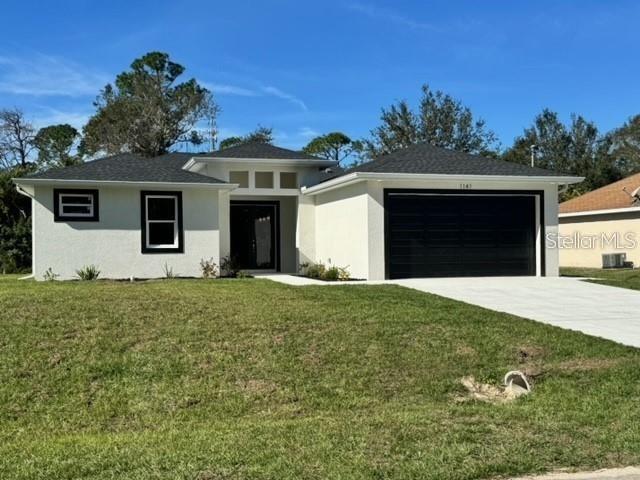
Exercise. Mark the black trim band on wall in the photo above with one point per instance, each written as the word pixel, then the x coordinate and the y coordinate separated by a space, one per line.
pixel 69 218
pixel 143 222
pixel 454 192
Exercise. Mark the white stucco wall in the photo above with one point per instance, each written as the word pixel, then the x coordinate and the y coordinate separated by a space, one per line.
pixel 587 238
pixel 341 236
pixel 306 230
pixel 114 243
pixel 349 223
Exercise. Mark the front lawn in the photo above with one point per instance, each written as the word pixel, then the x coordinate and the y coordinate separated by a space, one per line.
pixel 237 379
pixel 625 278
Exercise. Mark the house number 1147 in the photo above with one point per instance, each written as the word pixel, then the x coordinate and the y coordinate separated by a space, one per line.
pixel 465 186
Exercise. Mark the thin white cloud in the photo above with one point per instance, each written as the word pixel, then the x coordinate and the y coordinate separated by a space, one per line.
pixel 224 132
pixel 392 16
pixel 225 89
pixel 44 75
pixel 307 132
pixel 276 92
pixel 51 116
pixel 271 91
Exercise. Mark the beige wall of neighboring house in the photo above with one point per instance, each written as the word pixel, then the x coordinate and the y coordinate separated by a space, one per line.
pixel 588 237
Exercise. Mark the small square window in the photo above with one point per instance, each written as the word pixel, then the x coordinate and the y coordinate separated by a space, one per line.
pixel 288 180
pixel 75 205
pixel 264 179
pixel 241 178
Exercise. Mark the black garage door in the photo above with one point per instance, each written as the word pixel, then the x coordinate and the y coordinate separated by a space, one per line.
pixel 458 235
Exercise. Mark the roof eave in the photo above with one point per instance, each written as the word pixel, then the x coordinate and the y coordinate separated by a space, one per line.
pixel 354 177
pixel 604 211
pixel 124 183
pixel 271 161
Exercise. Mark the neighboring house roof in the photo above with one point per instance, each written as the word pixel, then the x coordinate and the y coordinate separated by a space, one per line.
pixel 612 196
pixel 129 168
pixel 265 151
pixel 426 158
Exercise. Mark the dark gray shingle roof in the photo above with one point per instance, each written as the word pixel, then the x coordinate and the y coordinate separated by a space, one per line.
pixel 261 151
pixel 130 168
pixel 425 158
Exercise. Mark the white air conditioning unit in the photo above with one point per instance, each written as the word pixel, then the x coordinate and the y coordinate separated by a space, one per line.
pixel 614 260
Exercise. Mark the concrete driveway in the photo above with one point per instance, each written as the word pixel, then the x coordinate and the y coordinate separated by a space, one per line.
pixel 602 311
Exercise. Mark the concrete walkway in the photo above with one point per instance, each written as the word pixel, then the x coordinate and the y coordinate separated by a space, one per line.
pixel 599 310
pixel 629 473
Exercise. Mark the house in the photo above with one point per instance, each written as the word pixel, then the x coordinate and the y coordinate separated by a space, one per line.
pixel 605 221
pixel 421 211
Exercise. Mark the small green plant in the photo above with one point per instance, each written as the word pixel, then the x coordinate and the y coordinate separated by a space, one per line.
pixel 168 271
pixel 49 275
pixel 315 270
pixel 321 272
pixel 343 274
pixel 243 274
pixel 229 266
pixel 331 274
pixel 208 268
pixel 88 272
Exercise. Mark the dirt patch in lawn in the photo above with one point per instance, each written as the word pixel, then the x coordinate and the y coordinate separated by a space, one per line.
pixel 257 387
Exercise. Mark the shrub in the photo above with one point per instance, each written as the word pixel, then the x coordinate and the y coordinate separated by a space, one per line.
pixel 243 274
pixel 331 274
pixel 88 272
pixel 229 266
pixel 168 271
pixel 343 274
pixel 208 268
pixel 49 275
pixel 322 272
pixel 315 270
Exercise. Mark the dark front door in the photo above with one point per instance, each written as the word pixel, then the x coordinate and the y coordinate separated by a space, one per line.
pixel 449 235
pixel 254 235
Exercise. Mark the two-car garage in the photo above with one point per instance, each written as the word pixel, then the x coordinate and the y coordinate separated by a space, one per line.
pixel 449 233
pixel 426 211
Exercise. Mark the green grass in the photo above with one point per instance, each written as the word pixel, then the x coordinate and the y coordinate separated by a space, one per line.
pixel 625 278
pixel 236 379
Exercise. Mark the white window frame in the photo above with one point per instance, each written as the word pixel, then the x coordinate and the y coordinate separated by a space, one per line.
pixel 176 227
pixel 61 205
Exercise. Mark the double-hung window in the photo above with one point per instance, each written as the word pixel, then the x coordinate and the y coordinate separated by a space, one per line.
pixel 162 222
pixel 76 205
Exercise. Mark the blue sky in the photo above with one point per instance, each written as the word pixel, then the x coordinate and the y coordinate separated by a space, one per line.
pixel 307 67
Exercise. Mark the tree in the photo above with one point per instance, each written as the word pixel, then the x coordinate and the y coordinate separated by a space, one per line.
pixel 54 144
pixel 624 144
pixel 552 142
pixel 334 146
pixel 441 120
pixel 259 135
pixel 146 111
pixel 15 222
pixel 577 149
pixel 16 138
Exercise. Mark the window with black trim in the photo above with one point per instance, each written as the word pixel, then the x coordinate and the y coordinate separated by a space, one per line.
pixel 162 222
pixel 75 205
